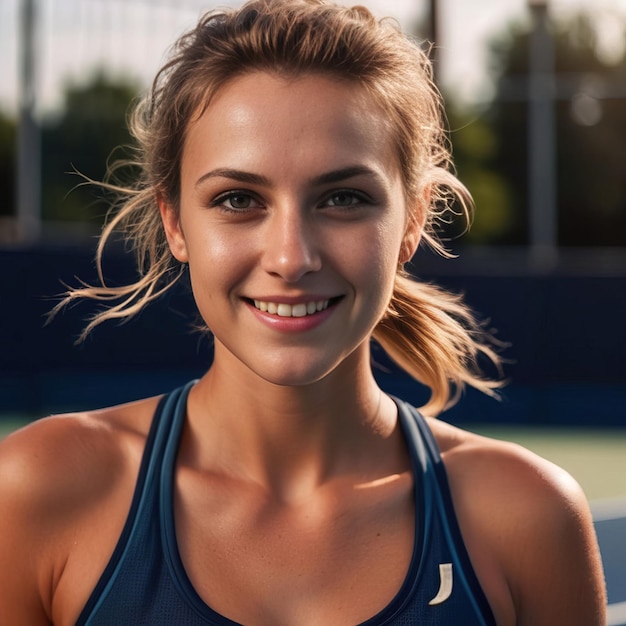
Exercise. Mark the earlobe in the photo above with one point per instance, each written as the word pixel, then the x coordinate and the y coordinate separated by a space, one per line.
pixel 173 231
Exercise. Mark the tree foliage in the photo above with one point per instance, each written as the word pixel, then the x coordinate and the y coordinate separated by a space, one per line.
pixel 590 111
pixel 79 142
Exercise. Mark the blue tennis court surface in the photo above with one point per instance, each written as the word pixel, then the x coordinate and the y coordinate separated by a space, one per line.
pixel 610 522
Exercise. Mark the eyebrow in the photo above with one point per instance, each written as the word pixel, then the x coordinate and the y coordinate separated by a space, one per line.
pixel 334 176
pixel 238 175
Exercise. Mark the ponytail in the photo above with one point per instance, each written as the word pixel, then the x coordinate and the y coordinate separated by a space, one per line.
pixel 435 337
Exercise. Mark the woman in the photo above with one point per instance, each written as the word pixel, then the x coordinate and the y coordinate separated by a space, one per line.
pixel 293 159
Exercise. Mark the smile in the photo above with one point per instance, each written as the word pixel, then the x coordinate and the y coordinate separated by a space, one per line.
pixel 292 310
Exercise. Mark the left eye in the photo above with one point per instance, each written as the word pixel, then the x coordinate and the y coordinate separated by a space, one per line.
pixel 344 198
pixel 239 201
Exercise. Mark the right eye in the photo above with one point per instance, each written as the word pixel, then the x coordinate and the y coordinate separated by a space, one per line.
pixel 236 202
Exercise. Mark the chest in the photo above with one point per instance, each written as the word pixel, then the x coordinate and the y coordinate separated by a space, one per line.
pixel 337 558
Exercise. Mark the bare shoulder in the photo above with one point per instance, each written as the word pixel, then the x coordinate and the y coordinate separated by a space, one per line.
pixel 527 525
pixel 61 454
pixel 62 479
pixel 502 465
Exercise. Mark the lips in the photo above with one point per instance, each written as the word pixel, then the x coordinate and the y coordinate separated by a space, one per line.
pixel 301 309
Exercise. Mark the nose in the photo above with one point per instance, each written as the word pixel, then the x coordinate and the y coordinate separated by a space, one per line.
pixel 290 245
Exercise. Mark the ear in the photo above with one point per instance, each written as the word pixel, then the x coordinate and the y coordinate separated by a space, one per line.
pixel 414 226
pixel 411 240
pixel 173 231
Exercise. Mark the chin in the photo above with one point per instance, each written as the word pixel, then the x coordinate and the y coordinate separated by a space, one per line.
pixel 293 379
pixel 306 372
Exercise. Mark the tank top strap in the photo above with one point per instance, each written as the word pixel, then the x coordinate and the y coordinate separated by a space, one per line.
pixel 166 426
pixel 440 516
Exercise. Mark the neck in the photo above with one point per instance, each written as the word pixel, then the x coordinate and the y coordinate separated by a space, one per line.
pixel 288 439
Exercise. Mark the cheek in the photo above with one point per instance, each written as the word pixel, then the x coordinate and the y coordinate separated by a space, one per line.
pixel 212 246
pixel 387 245
pixel 214 265
pixel 375 260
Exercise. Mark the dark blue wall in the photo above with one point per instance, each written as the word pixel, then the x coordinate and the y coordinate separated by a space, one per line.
pixel 567 336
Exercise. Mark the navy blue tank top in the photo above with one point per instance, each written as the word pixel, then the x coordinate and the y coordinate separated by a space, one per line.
pixel 145 582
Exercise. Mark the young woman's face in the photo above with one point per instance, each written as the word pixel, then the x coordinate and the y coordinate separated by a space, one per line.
pixel 292 219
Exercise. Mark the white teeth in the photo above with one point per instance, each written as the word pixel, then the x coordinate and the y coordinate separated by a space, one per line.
pixel 288 310
pixel 298 310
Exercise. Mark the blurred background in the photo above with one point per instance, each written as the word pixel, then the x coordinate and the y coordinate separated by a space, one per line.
pixel 536 101
pixel 535 93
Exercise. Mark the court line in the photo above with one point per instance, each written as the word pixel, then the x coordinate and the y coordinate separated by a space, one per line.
pixel 616 614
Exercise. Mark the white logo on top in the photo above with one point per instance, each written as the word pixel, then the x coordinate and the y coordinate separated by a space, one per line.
pixel 445 585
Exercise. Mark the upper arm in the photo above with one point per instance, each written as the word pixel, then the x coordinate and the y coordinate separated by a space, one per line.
pixel 559 578
pixel 22 538
pixel 51 488
pixel 530 535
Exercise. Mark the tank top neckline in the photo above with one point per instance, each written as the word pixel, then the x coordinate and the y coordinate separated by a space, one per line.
pixel 168 528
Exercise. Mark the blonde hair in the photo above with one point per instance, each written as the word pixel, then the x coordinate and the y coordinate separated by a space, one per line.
pixel 428 332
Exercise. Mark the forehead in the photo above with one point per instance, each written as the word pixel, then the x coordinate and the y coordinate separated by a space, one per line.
pixel 307 118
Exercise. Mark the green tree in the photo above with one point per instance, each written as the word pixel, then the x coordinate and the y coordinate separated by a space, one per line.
pixel 591 158
pixel 81 139
pixel 475 144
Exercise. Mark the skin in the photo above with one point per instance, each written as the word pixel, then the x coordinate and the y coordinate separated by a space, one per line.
pixel 289 496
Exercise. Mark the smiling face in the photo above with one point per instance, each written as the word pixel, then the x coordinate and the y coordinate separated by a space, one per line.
pixel 292 219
